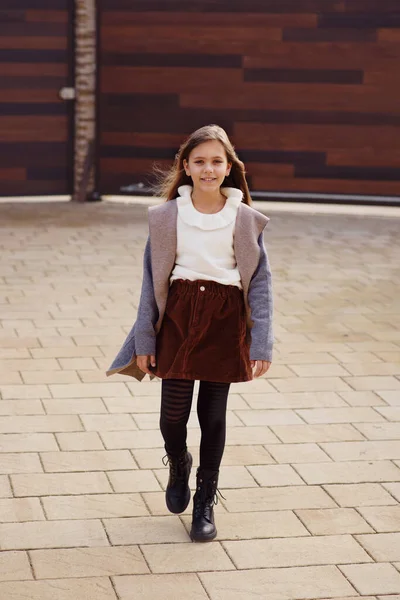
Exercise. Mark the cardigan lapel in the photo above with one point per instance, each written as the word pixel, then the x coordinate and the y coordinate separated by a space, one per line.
pixel 162 227
pixel 249 224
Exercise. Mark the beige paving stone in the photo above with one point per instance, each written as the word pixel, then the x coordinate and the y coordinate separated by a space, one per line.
pixel 383 547
pixel 21 407
pixel 108 422
pixel 293 400
pixel 13 510
pixel 180 558
pixel 362 398
pixel 52 534
pixel 394 489
pixel 102 460
pixel 146 530
pixel 24 392
pixel 94 506
pixel 319 370
pixel 145 404
pixel 149 587
pixel 273 524
pixel 238 436
pixel 76 364
pixel 49 484
pixel 380 431
pixel 32 377
pixel 333 521
pixel 75 406
pixel 360 494
pixel 373 579
pixel 373 382
pixel 252 387
pixel 24 442
pixel 297 453
pixel 144 388
pixel 11 378
pixel 81 440
pixel 246 455
pixel 88 390
pixel 391 397
pixel 14 566
pixel 39 424
pixel 382 518
pixel 289 583
pixel 134 481
pixel 66 352
pixel 295 552
pixel 61 589
pixel 269 417
pixel 316 433
pixel 279 498
pixel 313 384
pixel 349 472
pixel 47 364
pixel 20 463
pixel 87 562
pixel 275 475
pixel 374 450
pixel 374 368
pixel 303 358
pixel 339 415
pixel 118 440
pixel 356 357
pixel 391 413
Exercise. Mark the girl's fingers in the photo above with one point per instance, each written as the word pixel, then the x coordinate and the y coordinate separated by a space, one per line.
pixel 262 367
pixel 153 360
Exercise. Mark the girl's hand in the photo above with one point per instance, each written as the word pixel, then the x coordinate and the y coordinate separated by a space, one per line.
pixel 261 366
pixel 144 361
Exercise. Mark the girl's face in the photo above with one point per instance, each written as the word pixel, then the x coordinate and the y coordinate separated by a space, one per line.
pixel 207 166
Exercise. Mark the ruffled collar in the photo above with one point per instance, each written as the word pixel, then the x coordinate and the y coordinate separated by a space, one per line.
pixel 224 217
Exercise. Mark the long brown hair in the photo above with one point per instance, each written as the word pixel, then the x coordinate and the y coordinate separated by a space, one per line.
pixel 170 181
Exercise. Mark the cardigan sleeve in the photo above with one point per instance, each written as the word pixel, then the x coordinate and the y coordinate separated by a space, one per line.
pixel 147 315
pixel 261 306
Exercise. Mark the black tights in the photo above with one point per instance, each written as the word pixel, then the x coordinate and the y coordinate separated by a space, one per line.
pixel 176 402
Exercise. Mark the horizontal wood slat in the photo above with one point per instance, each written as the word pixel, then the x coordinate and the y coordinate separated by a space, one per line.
pixel 35 124
pixel 308 90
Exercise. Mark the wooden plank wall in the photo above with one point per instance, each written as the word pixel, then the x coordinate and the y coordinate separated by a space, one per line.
pixel 35 124
pixel 308 90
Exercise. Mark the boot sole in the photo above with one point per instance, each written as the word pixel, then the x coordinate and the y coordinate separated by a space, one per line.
pixel 187 498
pixel 208 538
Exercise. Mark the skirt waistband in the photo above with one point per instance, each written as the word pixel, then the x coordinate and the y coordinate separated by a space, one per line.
pixel 203 286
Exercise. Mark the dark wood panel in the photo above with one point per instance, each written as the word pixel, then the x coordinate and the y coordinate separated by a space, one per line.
pixel 329 35
pixel 12 174
pixel 304 75
pixel 46 16
pixel 264 96
pixel 309 90
pixel 223 19
pixel 35 124
pixel 33 69
pixel 34 43
pixel 232 6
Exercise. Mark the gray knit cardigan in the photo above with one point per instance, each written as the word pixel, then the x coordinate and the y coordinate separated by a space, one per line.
pixel 159 260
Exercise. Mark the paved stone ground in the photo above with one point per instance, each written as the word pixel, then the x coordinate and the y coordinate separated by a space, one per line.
pixel 311 471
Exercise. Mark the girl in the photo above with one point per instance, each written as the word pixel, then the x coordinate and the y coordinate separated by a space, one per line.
pixel 205 310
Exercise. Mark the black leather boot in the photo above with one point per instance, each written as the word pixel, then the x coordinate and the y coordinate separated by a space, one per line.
pixel 177 495
pixel 203 525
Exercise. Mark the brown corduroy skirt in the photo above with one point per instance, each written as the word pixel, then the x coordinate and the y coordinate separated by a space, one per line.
pixel 203 334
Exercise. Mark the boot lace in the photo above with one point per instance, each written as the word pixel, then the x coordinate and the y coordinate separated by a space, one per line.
pixel 206 500
pixel 176 467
